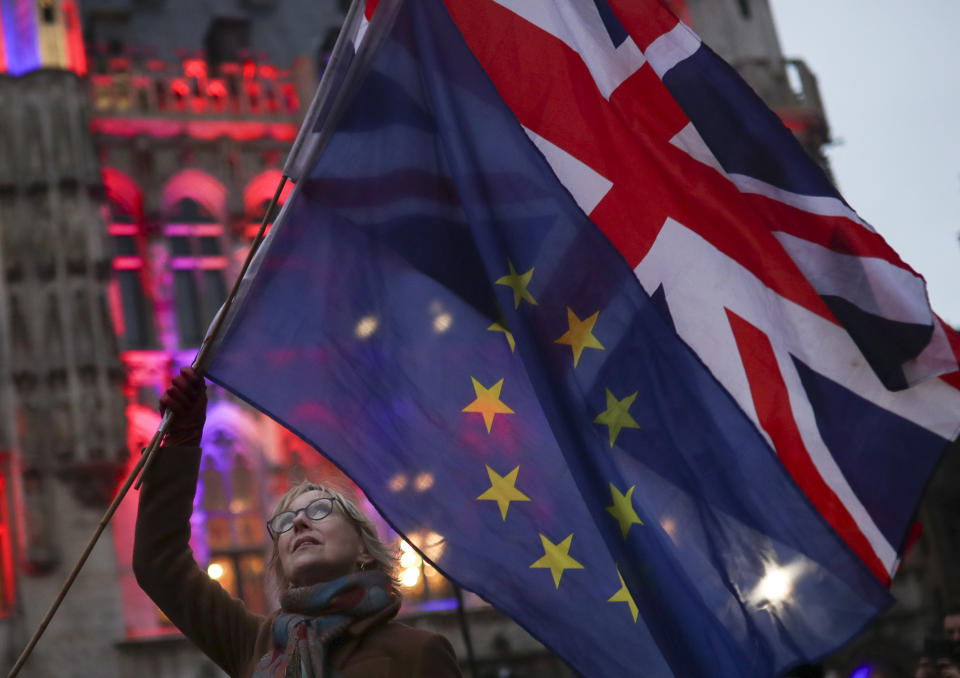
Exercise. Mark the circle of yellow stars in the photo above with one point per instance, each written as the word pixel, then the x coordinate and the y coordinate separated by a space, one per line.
pixel 616 417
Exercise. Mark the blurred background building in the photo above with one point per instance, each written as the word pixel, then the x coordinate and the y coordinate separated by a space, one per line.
pixel 140 143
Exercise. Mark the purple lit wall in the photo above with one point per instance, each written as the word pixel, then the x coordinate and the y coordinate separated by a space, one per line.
pixel 20 37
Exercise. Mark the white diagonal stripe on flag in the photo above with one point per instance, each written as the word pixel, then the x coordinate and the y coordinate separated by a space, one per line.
pixel 690 142
pixel 937 353
pixel 874 285
pixel 585 184
pixel 577 23
pixel 671 48
pixel 824 205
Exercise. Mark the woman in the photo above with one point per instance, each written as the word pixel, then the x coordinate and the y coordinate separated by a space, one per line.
pixel 337 594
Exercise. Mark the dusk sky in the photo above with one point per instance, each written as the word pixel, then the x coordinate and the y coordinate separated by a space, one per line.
pixel 887 74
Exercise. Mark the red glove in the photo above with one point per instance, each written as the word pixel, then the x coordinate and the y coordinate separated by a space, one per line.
pixel 187 399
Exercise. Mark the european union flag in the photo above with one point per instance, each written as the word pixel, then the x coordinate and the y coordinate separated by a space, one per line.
pixel 435 304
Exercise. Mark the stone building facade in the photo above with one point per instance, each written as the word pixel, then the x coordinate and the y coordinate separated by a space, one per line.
pixel 137 157
pixel 62 431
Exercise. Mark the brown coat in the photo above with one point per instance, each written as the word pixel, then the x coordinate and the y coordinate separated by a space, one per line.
pixel 221 625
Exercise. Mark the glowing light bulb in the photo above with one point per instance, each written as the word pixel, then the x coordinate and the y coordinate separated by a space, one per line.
pixel 408 559
pixel 405 547
pixel 409 577
pixel 776 585
pixel 398 482
pixel 215 570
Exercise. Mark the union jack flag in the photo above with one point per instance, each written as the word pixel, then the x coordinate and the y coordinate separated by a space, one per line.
pixel 816 327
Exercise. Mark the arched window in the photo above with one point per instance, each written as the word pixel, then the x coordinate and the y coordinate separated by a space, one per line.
pixel 195 213
pixel 257 196
pixel 130 305
pixel 198 263
pixel 231 509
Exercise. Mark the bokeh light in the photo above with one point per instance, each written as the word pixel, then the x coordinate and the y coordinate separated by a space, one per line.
pixel 366 327
pixel 410 576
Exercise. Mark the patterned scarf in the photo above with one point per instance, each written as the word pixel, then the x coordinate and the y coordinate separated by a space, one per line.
pixel 313 618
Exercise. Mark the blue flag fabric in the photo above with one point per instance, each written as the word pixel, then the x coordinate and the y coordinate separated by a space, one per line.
pixel 435 304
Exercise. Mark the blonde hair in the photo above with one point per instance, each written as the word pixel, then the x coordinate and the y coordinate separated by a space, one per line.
pixel 382 557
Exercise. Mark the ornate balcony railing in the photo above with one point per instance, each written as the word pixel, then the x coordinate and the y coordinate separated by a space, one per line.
pixel 152 88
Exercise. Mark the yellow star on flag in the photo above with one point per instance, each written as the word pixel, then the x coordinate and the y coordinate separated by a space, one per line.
pixel 617 415
pixel 622 509
pixel 580 334
pixel 503 490
pixel 501 326
pixel 623 596
pixel 487 402
pixel 518 283
pixel 557 558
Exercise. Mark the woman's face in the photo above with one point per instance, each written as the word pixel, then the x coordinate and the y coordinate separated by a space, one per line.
pixel 315 551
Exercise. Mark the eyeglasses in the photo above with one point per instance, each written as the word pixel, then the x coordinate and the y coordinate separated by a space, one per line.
pixel 318 509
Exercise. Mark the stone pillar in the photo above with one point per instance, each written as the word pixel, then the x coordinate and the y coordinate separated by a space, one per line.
pixel 61 403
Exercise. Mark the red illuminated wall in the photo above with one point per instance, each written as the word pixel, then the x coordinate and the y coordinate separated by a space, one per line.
pixel 7 589
pixel 3 49
pixel 76 51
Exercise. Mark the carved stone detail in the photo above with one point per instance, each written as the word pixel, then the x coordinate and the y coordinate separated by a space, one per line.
pixel 61 378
